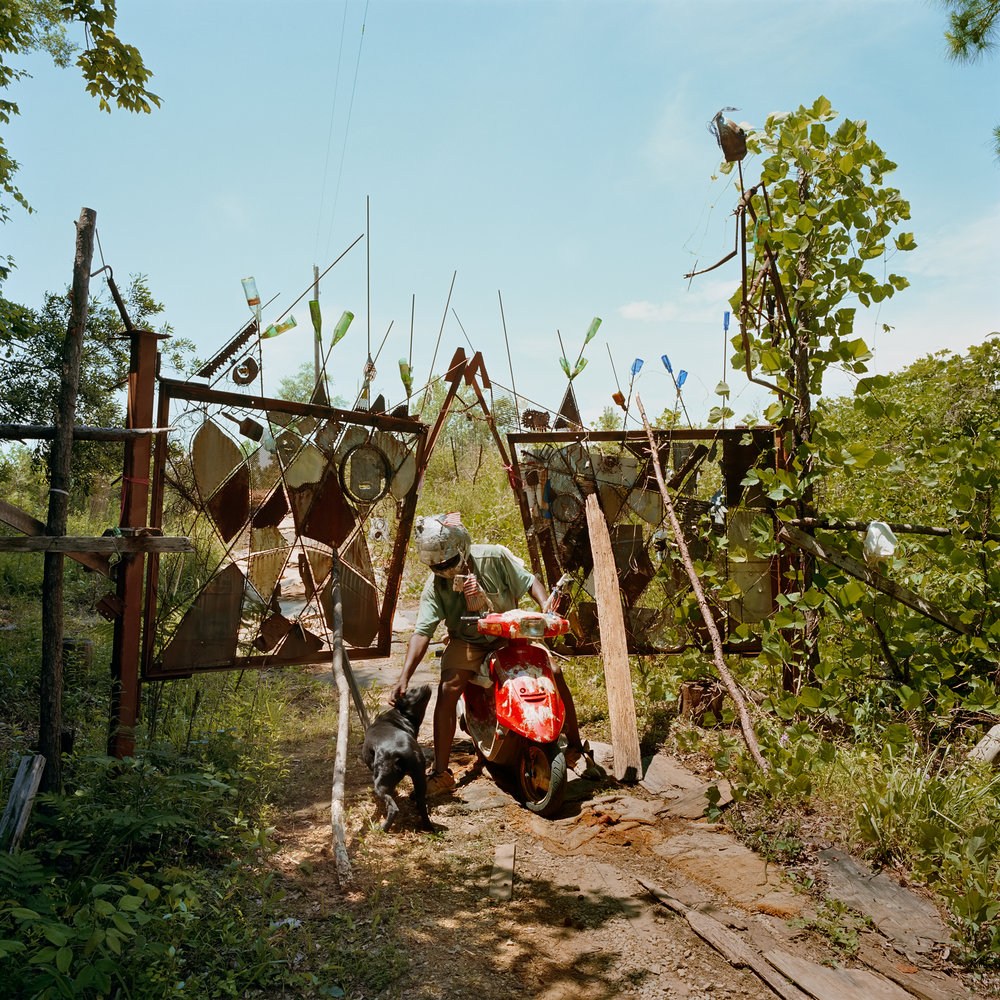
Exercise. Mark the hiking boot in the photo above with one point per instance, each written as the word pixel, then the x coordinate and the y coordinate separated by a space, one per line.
pixel 440 783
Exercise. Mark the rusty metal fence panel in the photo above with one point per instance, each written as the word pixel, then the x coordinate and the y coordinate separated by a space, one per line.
pixel 555 471
pixel 272 492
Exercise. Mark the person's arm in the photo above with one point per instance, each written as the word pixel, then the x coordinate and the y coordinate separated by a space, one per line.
pixel 538 592
pixel 414 654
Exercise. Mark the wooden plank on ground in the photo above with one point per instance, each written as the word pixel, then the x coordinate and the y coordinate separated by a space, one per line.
pixel 858 569
pixel 614 648
pixel 22 797
pixel 502 877
pixel 637 912
pixel 911 923
pixel 22 521
pixel 825 983
pixel 728 944
pixel 924 984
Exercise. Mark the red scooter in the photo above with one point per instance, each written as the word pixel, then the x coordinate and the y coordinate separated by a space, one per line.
pixel 516 717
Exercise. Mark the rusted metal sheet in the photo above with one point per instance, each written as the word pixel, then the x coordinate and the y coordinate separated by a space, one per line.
pixel 402 462
pixel 299 646
pixel 229 505
pixel 305 465
pixel 752 575
pixel 358 593
pixel 272 512
pixel 635 569
pixel 214 456
pixel 208 632
pixel 320 564
pixel 321 511
pixel 272 631
pixel 275 492
pixel 365 474
pixel 265 569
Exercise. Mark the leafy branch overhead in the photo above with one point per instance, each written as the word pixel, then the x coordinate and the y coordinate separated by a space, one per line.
pixel 113 70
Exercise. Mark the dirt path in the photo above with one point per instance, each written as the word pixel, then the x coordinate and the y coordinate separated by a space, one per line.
pixel 578 923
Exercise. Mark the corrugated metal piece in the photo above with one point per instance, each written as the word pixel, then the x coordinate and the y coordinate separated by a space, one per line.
pixel 321 563
pixel 266 538
pixel 358 594
pixel 214 456
pixel 207 634
pixel 265 570
pixel 229 505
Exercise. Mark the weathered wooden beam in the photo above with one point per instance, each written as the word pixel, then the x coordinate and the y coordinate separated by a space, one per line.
pixel 40 432
pixel 853 567
pixel 727 943
pixel 104 545
pixel 501 885
pixel 22 796
pixel 614 648
pixel 902 528
pixel 24 522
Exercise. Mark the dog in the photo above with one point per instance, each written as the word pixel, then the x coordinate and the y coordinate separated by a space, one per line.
pixel 391 752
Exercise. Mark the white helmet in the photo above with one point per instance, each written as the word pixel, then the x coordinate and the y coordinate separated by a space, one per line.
pixel 440 538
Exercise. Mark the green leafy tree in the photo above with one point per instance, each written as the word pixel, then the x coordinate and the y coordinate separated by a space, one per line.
pixel 113 70
pixel 31 345
pixel 821 223
pixel 972 32
pixel 300 385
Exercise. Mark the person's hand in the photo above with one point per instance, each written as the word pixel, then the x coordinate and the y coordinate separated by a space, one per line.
pixel 397 692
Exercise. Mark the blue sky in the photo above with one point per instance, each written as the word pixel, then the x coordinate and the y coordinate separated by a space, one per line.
pixel 555 152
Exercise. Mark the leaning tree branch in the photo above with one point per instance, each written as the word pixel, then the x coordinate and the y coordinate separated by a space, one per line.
pixel 341 859
pixel 746 726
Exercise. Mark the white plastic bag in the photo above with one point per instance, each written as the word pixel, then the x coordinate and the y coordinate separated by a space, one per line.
pixel 880 542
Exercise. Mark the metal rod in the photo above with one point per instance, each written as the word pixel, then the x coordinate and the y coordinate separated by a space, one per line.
pixel 444 316
pixel 510 363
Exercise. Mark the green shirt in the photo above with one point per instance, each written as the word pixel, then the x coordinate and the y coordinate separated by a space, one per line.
pixel 502 577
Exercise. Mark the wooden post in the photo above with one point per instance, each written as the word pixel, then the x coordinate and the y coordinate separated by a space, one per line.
pixel 614 648
pixel 125 650
pixel 60 462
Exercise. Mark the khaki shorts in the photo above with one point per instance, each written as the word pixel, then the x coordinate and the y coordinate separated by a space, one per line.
pixel 461 655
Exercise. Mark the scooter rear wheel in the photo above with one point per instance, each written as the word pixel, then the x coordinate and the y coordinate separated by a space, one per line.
pixel 541 778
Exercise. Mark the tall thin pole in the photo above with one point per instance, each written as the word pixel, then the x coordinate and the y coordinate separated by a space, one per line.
pixel 316 343
pixel 60 465
pixel 368 252
pixel 510 364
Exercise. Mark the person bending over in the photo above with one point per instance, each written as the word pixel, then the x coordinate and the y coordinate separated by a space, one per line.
pixel 467 579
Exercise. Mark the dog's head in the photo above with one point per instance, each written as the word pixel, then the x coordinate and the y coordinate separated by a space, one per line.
pixel 413 704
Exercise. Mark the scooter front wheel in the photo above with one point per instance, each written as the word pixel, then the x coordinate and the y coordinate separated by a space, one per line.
pixel 541 778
